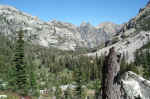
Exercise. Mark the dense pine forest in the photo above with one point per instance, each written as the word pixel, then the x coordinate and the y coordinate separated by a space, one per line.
pixel 29 68
pixel 58 60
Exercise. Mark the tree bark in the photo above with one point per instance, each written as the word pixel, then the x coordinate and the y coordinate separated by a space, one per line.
pixel 110 72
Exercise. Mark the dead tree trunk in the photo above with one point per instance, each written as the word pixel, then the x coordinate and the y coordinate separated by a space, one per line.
pixel 110 72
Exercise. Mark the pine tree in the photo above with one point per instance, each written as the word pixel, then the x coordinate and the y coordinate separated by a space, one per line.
pixel 78 79
pixel 147 64
pixel 58 92
pixel 32 68
pixel 33 84
pixel 21 77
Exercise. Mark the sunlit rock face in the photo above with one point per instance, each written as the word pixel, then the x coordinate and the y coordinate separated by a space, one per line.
pixel 133 35
pixel 134 86
pixel 127 46
pixel 54 33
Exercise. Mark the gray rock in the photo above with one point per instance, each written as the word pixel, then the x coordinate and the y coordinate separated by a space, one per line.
pixel 133 35
pixel 134 86
pixel 62 35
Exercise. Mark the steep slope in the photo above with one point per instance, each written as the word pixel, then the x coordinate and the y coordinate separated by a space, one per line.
pixel 133 35
pixel 39 32
pixel 98 35
pixel 57 34
pixel 91 35
pixel 110 27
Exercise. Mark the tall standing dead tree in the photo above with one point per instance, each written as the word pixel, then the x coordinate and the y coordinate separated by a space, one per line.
pixel 111 68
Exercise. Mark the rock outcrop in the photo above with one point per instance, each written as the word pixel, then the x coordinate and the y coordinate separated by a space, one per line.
pixel 134 86
pixel 133 35
pixel 62 35
pixel 122 86
pixel 127 46
pixel 110 27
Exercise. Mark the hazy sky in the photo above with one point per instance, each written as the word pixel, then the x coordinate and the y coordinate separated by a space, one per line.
pixel 76 11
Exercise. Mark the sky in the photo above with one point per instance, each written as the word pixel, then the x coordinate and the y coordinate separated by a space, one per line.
pixel 77 11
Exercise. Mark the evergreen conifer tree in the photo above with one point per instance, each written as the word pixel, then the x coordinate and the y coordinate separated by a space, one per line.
pixel 21 77
pixel 78 79
pixel 33 84
pixel 58 92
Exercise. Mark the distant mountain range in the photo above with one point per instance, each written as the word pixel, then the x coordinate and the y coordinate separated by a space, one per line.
pixel 127 37
pixel 133 35
pixel 65 36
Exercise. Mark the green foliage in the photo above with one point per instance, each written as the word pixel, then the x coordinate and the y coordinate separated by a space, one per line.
pixel 143 23
pixel 65 77
pixel 142 58
pixel 33 84
pixel 78 80
pixel 58 92
pixel 43 67
pixel 21 77
pixel 96 84
pixel 146 46
pixel 125 66
pixel 32 68
pixel 6 56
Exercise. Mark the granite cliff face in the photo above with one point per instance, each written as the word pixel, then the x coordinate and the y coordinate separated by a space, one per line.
pixel 64 36
pixel 126 38
pixel 132 36
pixel 109 27
pixel 54 33
pixel 134 86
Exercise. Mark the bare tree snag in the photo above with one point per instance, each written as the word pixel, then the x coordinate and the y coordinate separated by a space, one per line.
pixel 110 70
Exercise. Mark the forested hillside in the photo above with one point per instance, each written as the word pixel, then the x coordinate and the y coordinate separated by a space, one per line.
pixel 57 60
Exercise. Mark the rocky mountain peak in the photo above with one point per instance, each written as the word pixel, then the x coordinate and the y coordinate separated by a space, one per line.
pixel 105 23
pixel 62 35
pixel 4 7
pixel 133 35
pixel 109 27
pixel 148 4
pixel 83 24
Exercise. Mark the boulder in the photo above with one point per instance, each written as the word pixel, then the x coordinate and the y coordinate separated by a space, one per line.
pixel 134 86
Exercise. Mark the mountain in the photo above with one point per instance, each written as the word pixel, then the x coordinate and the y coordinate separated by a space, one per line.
pixel 64 36
pixel 110 27
pixel 98 35
pixel 132 36
pixel 47 34
pixel 126 38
